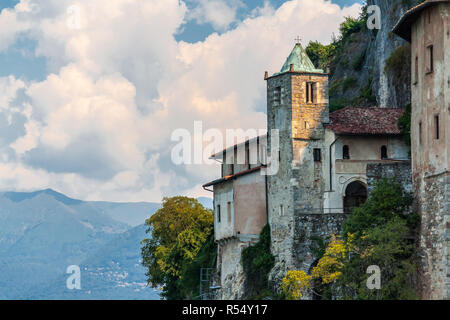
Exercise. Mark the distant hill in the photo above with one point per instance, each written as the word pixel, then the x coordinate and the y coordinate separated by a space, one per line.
pixel 43 232
pixel 113 272
pixel 206 202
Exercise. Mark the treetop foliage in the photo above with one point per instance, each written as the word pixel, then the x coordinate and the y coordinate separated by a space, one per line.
pixel 178 232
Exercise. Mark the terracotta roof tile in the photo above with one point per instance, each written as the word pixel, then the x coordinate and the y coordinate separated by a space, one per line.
pixel 365 121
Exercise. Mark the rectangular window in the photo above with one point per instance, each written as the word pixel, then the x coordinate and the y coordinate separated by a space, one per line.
pixel 281 210
pixel 436 127
pixel 420 132
pixel 416 71
pixel 317 155
pixel 218 213
pixel 430 59
pixel 277 95
pixel 229 211
pixel 310 92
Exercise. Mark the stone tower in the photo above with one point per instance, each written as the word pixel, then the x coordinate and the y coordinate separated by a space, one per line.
pixel 297 106
pixel 427 27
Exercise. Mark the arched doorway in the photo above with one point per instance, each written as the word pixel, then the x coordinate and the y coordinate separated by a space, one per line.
pixel 355 196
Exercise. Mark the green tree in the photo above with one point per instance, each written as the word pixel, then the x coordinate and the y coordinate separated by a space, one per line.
pixel 321 55
pixel 178 231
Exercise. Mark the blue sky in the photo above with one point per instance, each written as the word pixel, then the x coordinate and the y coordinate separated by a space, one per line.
pixel 90 110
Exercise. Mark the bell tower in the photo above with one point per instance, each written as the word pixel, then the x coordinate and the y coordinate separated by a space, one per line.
pixel 297 106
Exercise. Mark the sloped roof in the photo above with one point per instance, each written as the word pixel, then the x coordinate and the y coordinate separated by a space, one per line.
pixel 365 121
pixel 233 176
pixel 403 26
pixel 300 61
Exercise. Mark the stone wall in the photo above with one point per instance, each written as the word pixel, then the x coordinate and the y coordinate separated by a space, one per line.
pixel 399 171
pixel 433 197
pixel 231 273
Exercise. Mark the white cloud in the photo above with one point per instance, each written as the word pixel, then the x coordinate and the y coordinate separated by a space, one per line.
pixel 99 125
pixel 219 13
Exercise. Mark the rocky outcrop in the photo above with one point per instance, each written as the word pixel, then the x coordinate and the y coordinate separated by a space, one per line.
pixel 359 75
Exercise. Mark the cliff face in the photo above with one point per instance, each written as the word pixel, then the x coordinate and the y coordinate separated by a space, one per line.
pixel 373 66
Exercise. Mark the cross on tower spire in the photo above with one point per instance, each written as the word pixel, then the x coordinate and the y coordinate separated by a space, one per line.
pixel 298 40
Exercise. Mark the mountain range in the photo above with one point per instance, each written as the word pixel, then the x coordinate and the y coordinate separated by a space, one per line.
pixel 44 232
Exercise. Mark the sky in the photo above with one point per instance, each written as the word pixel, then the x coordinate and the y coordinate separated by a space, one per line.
pixel 91 91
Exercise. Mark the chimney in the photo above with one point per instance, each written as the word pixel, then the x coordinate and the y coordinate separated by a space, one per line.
pixel 291 68
pixel 266 75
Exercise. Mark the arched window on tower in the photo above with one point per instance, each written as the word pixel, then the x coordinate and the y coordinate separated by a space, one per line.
pixel 345 152
pixel 384 154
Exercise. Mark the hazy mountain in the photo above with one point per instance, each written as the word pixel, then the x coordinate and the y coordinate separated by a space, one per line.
pixel 43 232
pixel 113 272
pixel 206 202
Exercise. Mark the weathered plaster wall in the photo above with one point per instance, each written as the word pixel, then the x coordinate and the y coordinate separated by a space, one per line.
pixel 223 194
pixel 430 157
pixel 250 203
pixel 369 148
pixel 246 198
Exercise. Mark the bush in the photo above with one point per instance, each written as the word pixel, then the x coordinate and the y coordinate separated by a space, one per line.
pixel 387 200
pixel 358 61
pixel 404 124
pixel 349 83
pixel 399 63
pixel 257 261
pixel 377 233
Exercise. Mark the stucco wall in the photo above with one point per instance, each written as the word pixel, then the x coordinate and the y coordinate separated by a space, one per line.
pixel 430 157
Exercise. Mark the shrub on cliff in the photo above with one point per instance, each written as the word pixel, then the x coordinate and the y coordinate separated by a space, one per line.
pixel 257 261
